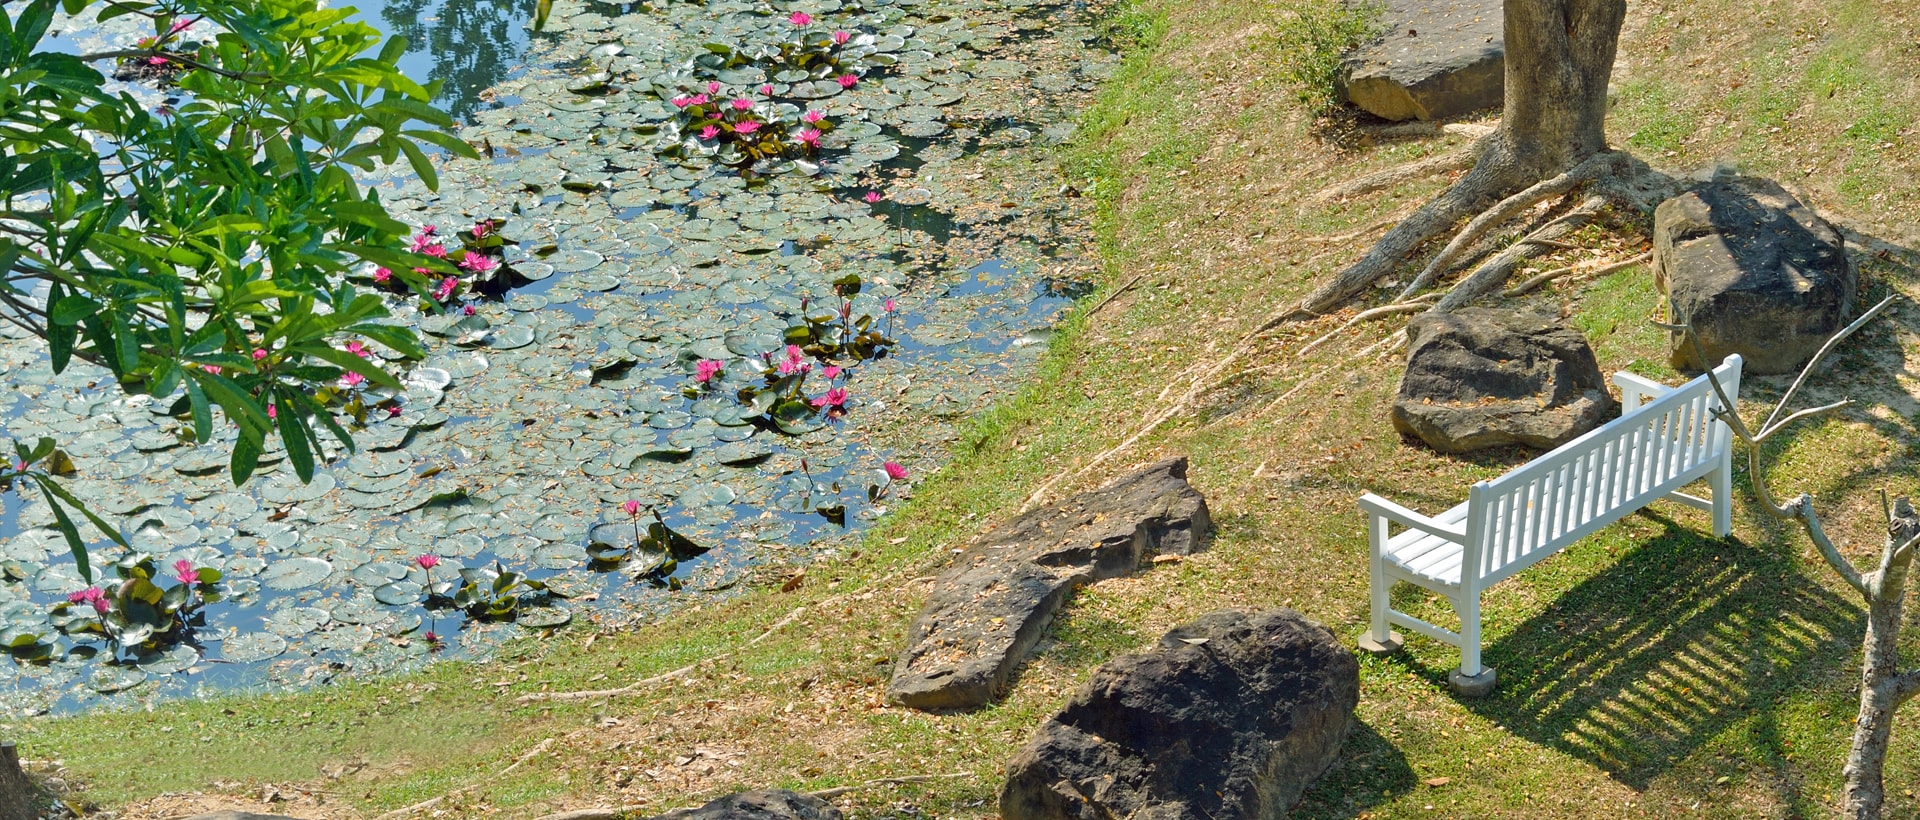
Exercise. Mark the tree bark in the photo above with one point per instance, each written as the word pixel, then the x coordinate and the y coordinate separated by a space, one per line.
pixel 1559 57
pixel 1880 677
pixel 18 795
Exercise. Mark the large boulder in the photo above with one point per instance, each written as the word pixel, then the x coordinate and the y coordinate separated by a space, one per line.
pixel 1437 59
pixel 1230 717
pixel 1755 271
pixel 994 604
pixel 763 804
pixel 1487 377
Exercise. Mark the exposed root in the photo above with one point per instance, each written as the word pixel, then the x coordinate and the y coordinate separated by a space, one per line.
pixel 1469 196
pixel 1505 210
pixel 1419 169
pixel 828 794
pixel 536 697
pixel 1426 128
pixel 1392 341
pixel 1352 235
pixel 1116 293
pixel 1524 288
pixel 596 814
pixel 1412 306
pixel 536 751
pixel 1490 276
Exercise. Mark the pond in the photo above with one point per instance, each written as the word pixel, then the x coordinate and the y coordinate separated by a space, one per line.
pixel 931 214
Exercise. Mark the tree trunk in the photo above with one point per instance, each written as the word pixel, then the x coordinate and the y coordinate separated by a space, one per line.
pixel 18 795
pixel 1879 673
pixel 1559 57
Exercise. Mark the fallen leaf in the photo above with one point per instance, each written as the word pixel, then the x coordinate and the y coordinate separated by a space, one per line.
pixel 1437 782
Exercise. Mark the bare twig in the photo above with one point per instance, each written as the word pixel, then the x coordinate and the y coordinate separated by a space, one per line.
pixel 596 814
pixel 1418 169
pixel 1822 354
pixel 1116 293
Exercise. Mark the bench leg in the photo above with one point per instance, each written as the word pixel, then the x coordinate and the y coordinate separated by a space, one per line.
pixel 1380 638
pixel 1721 480
pixel 1471 679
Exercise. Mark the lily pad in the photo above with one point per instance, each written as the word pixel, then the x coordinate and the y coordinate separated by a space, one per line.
pixel 295 573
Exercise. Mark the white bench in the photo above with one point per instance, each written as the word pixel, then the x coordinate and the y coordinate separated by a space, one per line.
pixel 1665 438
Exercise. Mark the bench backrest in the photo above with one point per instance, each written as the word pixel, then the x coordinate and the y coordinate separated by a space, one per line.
pixel 1594 480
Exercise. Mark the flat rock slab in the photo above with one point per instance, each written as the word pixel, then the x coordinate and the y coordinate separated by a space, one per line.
pixel 1437 59
pixel 1231 716
pixel 1755 271
pixel 1489 377
pixel 763 804
pixel 994 604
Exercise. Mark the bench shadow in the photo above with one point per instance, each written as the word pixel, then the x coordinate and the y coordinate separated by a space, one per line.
pixel 1368 772
pixel 1636 667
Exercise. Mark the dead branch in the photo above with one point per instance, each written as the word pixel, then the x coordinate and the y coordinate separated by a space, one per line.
pixel 530 754
pixel 1505 210
pixel 1524 287
pixel 596 814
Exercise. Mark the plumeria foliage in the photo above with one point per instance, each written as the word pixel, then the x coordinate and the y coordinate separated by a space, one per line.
pixel 200 252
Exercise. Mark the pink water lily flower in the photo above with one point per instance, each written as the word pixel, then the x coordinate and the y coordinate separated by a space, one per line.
pixel 791 366
pixel 836 397
pixel 840 38
pixel 746 127
pixel 184 572
pixel 831 371
pixel 393 412
pixel 800 18
pixel 847 80
pixel 427 561
pixel 809 136
pixel 382 275
pixel 812 117
pixel 794 353
pixel 179 25
pixel 682 102
pixel 467 311
pixel 211 368
pixel 742 104
pixel 156 61
pixel 766 90
pixel 352 380
pixel 874 196
pixel 273 412
pixel 706 369
pixel 445 289
pixel 890 305
pixel 91 596
pixel 712 88
pixel 478 263
pixel 358 349
pixel 422 240
pixel 436 251
pixel 710 132
pixel 259 353
pixel 701 99
pixel 895 472
pixel 632 506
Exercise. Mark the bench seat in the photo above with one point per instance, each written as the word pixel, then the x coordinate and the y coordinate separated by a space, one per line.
pixel 1664 439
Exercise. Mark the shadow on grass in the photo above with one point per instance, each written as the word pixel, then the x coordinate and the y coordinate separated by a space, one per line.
pixel 1367 773
pixel 1636 667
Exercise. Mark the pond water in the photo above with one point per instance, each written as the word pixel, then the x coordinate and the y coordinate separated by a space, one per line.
pixel 535 418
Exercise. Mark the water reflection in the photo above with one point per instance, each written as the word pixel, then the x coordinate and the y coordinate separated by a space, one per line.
pixel 470 44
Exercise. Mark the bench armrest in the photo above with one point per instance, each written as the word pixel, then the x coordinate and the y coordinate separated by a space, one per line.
pixel 1633 389
pixel 1383 508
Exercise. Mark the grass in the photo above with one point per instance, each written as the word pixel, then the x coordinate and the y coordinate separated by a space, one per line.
pixel 1647 671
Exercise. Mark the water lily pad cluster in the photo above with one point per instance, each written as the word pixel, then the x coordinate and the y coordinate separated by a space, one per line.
pixel 533 420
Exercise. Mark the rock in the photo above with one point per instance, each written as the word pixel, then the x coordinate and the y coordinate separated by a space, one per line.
pixel 990 608
pixel 1486 377
pixel 1755 271
pixel 1436 60
pixel 763 804
pixel 1231 716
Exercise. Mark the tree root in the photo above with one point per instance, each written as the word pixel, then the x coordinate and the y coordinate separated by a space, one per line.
pixel 536 697
pixel 1418 169
pixel 1524 288
pixel 1490 276
pixel 1507 209
pixel 536 751
pixel 824 794
pixel 1415 305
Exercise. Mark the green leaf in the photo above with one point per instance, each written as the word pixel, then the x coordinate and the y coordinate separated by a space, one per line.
pixel 74 545
pixel 293 433
pixel 246 456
